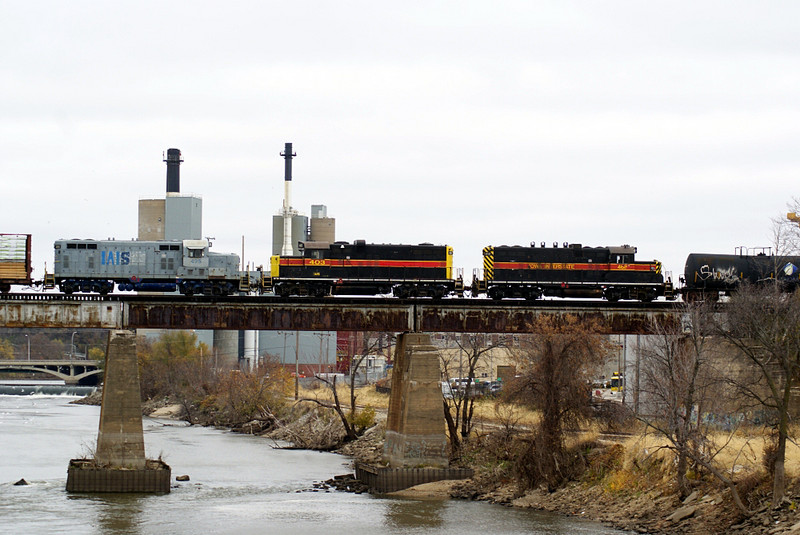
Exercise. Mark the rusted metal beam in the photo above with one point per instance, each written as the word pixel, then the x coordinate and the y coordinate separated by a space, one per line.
pixel 325 314
pixel 518 320
pixel 265 317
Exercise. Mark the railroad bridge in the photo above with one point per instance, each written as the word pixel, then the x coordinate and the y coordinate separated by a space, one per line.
pixel 415 432
pixel 318 314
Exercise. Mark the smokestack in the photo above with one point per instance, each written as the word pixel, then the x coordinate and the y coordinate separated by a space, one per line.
pixel 287 153
pixel 287 249
pixel 173 171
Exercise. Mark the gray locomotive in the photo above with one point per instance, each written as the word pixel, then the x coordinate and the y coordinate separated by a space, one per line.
pixel 148 266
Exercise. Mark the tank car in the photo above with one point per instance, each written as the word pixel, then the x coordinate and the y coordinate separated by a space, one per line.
pixel 569 271
pixel 711 275
pixel 151 266
pixel 359 268
pixel 15 261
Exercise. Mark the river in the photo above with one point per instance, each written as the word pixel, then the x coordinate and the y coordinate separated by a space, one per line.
pixel 239 484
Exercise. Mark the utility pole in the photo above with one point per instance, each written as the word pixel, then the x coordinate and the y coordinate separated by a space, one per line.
pixel 296 365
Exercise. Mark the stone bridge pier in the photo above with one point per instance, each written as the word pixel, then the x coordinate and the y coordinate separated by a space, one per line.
pixel 119 464
pixel 415 426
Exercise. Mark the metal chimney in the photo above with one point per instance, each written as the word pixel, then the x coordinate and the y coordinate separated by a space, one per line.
pixel 287 153
pixel 287 249
pixel 173 171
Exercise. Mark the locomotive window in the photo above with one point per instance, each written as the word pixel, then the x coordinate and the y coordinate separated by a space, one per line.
pixel 91 246
pixel 81 246
pixel 72 246
pixel 316 254
pixel 195 253
pixel 174 248
pixel 163 247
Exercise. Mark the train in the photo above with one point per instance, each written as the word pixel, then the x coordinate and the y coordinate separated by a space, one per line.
pixel 707 276
pixel 611 273
pixel 15 261
pixel 187 266
pixel 398 270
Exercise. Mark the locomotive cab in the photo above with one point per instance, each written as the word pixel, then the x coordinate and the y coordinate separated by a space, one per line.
pixel 195 253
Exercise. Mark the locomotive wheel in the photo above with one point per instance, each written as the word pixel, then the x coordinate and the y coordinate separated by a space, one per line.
pixel 495 293
pixel 533 294
pixel 612 295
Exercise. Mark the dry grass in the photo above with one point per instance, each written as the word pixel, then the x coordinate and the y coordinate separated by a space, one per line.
pixel 366 395
pixel 738 453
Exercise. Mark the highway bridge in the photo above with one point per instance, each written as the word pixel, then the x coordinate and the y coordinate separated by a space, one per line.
pixel 72 372
pixel 319 314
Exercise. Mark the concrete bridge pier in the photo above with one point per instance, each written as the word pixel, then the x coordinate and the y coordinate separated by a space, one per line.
pixel 120 439
pixel 415 426
pixel 119 464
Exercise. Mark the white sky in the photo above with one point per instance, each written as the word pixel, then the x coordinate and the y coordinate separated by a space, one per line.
pixel 670 126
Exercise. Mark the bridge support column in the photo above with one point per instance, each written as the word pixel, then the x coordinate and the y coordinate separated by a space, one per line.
pixel 120 440
pixel 415 427
pixel 119 464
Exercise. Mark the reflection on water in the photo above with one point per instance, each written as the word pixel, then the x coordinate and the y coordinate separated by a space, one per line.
pixel 404 513
pixel 239 484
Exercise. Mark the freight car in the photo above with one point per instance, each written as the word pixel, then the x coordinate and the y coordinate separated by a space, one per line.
pixel 359 268
pixel 15 261
pixel 707 276
pixel 569 271
pixel 150 266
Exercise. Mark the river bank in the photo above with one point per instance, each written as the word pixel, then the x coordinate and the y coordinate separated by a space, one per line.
pixel 643 501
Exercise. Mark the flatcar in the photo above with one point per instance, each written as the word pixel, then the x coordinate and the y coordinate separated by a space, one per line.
pixel 150 266
pixel 570 271
pixel 707 276
pixel 361 268
pixel 15 261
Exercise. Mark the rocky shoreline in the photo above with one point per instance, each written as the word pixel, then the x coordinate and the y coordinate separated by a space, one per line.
pixel 655 509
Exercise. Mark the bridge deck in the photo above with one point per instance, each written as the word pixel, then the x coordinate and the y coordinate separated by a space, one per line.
pixel 323 314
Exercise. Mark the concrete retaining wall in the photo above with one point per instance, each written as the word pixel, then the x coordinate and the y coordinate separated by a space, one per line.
pixel 82 477
pixel 382 480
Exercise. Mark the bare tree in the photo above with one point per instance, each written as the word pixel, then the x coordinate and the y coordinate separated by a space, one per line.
pixel 786 232
pixel 763 323
pixel 459 401
pixel 679 383
pixel 373 344
pixel 354 426
pixel 556 363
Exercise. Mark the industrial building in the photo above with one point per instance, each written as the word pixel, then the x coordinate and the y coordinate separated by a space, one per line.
pixel 180 217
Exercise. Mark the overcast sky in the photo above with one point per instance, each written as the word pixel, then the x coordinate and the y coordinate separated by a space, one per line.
pixel 670 126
